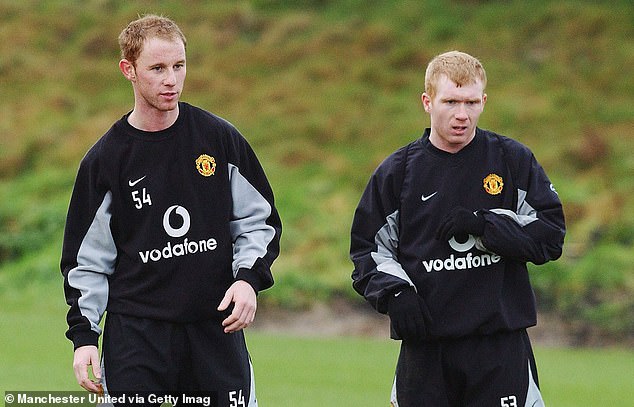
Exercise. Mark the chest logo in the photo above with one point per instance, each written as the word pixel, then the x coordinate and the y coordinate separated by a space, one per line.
pixel 206 165
pixel 493 184
pixel 181 230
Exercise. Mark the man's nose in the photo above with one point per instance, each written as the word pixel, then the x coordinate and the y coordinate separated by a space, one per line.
pixel 170 78
pixel 461 113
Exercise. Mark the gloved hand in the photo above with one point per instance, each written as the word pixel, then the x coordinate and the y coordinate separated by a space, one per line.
pixel 409 315
pixel 460 222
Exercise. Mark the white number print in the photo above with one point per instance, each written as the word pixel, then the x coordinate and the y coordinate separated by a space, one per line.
pixel 139 201
pixel 510 401
pixel 236 398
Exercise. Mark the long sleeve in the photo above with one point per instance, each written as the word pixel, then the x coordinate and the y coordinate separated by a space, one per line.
pixel 88 255
pixel 375 235
pixel 534 231
pixel 255 224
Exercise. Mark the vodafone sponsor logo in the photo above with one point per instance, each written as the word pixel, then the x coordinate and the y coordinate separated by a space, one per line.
pixel 182 230
pixel 178 248
pixel 466 262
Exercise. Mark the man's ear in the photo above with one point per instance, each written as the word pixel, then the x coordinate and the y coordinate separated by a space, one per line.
pixel 426 102
pixel 127 69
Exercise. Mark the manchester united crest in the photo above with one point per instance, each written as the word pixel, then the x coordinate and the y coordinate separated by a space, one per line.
pixel 493 184
pixel 206 165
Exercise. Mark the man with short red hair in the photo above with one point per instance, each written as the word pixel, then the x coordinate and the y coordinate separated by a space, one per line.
pixel 440 242
pixel 172 230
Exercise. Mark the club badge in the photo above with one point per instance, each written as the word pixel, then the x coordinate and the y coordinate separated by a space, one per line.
pixel 206 165
pixel 493 184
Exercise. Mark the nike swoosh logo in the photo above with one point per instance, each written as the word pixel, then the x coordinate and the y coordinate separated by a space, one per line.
pixel 133 183
pixel 428 197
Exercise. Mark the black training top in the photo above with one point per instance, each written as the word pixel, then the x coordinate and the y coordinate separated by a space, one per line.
pixel 471 285
pixel 160 224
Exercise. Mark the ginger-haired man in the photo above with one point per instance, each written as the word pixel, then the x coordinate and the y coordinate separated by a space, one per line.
pixel 440 242
pixel 171 230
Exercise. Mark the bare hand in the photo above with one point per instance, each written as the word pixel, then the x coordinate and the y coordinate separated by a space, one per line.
pixel 245 303
pixel 87 356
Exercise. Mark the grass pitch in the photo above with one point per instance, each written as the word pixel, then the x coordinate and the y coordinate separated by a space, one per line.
pixel 296 371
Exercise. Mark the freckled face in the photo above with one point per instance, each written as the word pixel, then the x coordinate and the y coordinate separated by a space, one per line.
pixel 454 112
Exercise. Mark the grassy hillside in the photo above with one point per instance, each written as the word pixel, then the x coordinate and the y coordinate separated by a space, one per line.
pixel 324 90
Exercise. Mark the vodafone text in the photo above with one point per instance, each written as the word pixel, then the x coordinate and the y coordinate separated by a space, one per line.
pixel 186 247
pixel 461 263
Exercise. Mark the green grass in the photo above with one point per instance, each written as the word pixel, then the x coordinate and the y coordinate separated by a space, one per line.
pixel 35 354
pixel 293 370
pixel 301 371
pixel 586 377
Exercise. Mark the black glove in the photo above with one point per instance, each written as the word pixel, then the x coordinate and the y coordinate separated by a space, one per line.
pixel 409 315
pixel 459 223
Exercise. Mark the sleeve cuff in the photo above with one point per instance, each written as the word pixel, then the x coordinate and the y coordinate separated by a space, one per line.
pixel 254 279
pixel 85 338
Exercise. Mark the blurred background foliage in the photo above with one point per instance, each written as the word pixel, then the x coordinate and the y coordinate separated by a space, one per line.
pixel 324 90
